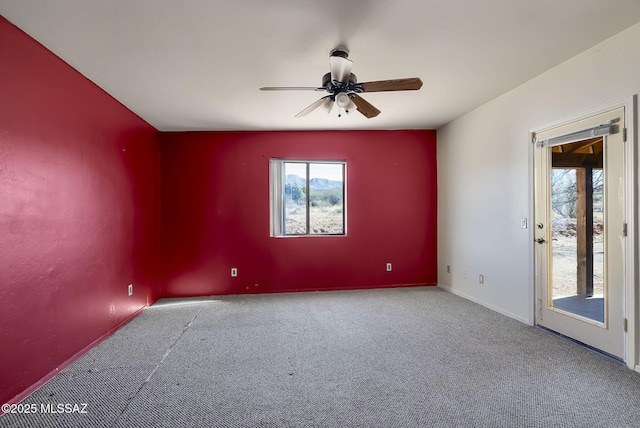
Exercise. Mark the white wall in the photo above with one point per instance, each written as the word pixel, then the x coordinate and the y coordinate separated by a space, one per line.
pixel 485 172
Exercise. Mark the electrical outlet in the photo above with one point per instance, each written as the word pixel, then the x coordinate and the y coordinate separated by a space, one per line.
pixel 448 269
pixel 523 223
pixel 234 272
pixel 465 274
pixel 130 289
pixel 481 279
pixel 389 267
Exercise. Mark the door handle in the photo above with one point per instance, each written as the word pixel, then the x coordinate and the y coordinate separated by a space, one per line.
pixel 540 240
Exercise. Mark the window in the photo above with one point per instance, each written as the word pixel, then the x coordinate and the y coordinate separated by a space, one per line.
pixel 307 198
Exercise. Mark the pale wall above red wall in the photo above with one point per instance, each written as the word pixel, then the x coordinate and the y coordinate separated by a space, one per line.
pixel 215 215
pixel 79 212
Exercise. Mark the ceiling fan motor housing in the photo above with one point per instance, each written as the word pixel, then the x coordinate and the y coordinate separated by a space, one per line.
pixel 336 87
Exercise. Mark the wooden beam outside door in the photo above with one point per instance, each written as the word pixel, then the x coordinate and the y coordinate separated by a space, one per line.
pixel 584 230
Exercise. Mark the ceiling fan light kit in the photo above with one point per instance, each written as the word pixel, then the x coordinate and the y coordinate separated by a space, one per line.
pixel 344 102
pixel 344 89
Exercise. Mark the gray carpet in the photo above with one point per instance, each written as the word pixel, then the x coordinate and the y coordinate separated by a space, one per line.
pixel 406 357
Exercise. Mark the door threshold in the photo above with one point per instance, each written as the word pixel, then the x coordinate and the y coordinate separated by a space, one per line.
pixel 584 345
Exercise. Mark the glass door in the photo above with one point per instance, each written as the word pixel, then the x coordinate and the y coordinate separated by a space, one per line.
pixel 579 232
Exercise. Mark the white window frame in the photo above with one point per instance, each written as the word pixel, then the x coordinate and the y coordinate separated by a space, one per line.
pixel 276 196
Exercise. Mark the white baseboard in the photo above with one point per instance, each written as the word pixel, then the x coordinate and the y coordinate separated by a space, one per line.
pixel 485 304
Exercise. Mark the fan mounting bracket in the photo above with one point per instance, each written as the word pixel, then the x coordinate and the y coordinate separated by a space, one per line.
pixel 340 51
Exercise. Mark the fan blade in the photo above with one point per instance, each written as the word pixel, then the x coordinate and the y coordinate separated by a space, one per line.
pixel 364 107
pixel 340 68
pixel 410 84
pixel 312 107
pixel 291 88
pixel 328 104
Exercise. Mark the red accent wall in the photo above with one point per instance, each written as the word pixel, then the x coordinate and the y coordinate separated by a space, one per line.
pixel 215 212
pixel 81 184
pixel 79 212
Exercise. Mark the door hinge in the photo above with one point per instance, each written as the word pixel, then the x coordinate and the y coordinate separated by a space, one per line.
pixel 624 229
pixel 625 323
pixel 624 135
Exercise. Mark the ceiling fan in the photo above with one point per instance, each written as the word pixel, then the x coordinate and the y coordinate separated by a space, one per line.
pixel 344 89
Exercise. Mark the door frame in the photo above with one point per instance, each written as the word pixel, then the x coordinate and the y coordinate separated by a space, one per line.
pixel 630 294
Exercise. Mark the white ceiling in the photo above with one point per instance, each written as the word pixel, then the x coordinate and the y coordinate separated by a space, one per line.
pixel 198 64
